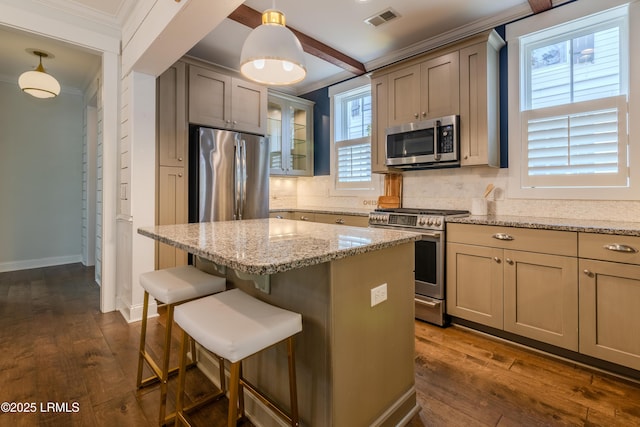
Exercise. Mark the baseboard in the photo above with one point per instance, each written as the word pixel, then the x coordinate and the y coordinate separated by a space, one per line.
pixel 38 263
pixel 134 313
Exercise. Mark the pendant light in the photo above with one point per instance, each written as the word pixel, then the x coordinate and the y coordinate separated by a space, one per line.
pixel 37 82
pixel 272 54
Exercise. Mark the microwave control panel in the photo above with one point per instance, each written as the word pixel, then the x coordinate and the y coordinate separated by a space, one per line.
pixel 446 142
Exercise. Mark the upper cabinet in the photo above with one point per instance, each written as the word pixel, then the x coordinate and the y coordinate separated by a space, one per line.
pixel 290 132
pixel 459 79
pixel 425 90
pixel 221 101
pixel 380 121
pixel 172 116
pixel 479 102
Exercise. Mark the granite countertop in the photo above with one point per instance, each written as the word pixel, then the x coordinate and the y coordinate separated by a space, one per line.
pixel 268 246
pixel 624 228
pixel 330 212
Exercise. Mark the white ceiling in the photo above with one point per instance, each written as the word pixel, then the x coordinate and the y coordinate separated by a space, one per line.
pixel 337 23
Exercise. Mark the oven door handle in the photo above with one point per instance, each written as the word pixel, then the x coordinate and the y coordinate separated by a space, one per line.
pixel 430 304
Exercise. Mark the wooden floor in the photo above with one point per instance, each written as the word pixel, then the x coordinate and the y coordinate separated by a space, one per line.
pixel 76 367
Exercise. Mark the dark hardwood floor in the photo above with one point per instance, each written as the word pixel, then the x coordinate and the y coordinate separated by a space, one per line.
pixel 56 348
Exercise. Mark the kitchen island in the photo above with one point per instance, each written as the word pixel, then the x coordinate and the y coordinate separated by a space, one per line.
pixel 355 361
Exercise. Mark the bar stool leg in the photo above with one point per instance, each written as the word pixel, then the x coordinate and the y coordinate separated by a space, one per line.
pixel 164 381
pixel 143 336
pixel 234 385
pixel 180 418
pixel 293 391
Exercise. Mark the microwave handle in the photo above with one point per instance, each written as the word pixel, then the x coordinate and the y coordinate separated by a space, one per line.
pixel 436 141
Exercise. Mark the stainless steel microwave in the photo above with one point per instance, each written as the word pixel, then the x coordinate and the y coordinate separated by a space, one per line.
pixel 424 144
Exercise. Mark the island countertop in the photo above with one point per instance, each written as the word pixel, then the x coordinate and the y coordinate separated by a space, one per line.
pixel 269 246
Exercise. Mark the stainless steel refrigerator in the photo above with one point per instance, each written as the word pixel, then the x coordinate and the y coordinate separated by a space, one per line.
pixel 228 175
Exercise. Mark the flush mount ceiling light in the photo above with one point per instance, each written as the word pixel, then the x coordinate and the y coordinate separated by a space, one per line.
pixel 272 54
pixel 37 82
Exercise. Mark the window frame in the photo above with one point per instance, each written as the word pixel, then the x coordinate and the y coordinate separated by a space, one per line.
pixel 363 188
pixel 591 11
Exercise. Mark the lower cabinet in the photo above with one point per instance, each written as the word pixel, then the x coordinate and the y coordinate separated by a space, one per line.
pixel 172 209
pixel 578 291
pixel 506 287
pixel 353 220
pixel 541 297
pixel 610 298
pixel 475 284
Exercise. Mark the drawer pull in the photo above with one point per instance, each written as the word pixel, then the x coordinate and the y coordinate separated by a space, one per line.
pixel 616 247
pixel 589 273
pixel 502 236
pixel 431 304
pixel 304 218
pixel 339 221
pixel 279 217
pixel 496 259
pixel 509 261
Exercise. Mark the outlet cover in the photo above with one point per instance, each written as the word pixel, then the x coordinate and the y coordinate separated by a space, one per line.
pixel 378 294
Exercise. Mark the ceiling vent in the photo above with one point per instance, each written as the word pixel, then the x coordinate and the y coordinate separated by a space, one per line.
pixel 382 17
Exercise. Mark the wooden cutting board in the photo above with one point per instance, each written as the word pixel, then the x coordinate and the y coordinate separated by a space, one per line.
pixel 392 197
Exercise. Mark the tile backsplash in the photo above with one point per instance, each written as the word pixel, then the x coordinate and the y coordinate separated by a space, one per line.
pixel 445 189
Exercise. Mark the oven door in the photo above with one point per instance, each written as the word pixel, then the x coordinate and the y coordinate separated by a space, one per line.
pixel 429 266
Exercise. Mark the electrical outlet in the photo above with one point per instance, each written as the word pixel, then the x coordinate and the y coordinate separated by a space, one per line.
pixel 378 294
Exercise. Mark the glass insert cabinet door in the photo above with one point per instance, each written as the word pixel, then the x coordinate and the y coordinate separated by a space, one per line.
pixel 290 132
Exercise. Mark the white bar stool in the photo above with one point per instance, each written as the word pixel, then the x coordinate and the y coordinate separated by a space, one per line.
pixel 170 286
pixel 234 326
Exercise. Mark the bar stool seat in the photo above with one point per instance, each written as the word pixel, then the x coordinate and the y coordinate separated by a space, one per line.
pixel 170 286
pixel 234 326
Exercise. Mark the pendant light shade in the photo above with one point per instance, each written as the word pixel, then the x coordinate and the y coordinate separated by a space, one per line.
pixel 272 54
pixel 37 82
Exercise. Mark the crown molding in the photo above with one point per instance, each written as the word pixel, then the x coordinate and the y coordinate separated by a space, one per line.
pixel 100 21
pixel 448 37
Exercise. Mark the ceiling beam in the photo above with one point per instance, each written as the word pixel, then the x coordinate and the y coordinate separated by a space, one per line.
pixel 252 19
pixel 540 5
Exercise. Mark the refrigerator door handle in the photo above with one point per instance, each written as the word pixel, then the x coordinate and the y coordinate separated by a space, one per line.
pixel 237 178
pixel 243 196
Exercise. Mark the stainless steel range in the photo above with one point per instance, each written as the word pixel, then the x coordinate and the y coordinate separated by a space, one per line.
pixel 430 254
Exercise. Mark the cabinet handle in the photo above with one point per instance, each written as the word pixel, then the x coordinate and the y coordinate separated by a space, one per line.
pixel 304 218
pixel 279 217
pixel 588 273
pixel 339 221
pixel 179 159
pixel 502 236
pixel 431 304
pixel 180 175
pixel 617 247
pixel 424 114
pixel 416 115
pixel 496 259
pixel 235 122
pixel 509 261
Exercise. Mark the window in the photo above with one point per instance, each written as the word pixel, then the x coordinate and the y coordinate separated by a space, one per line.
pixel 568 121
pixel 352 138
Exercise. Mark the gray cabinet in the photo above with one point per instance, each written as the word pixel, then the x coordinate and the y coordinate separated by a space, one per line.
pixel 610 297
pixel 461 79
pixel 290 132
pixel 222 101
pixel 520 280
pixel 172 137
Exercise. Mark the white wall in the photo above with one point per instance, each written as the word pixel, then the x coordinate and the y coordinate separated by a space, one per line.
pixel 40 179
